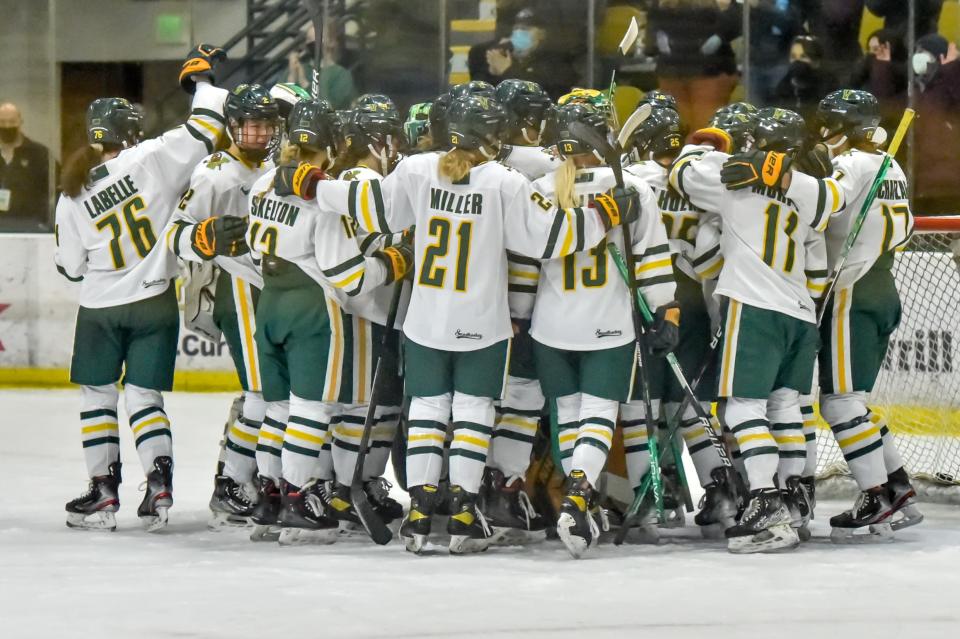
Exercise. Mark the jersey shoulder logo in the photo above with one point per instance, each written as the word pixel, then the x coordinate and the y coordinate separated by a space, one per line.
pixel 217 160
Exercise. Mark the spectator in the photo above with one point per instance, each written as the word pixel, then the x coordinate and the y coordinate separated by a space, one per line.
pixel 336 82
pixel 695 63
pixel 937 135
pixel 836 23
pixel 773 25
pixel 24 176
pixel 896 13
pixel 883 72
pixel 806 81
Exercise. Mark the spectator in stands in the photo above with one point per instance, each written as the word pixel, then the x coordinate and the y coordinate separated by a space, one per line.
pixel 806 81
pixel 336 82
pixel 896 13
pixel 836 23
pixel 937 127
pixel 773 25
pixel 695 63
pixel 24 176
pixel 883 72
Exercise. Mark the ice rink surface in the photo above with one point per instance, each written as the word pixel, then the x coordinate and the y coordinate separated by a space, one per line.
pixel 189 582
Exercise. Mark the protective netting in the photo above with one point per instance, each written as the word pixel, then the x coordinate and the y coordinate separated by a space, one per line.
pixel 918 389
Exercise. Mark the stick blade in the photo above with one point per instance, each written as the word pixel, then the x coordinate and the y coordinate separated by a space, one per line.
pixel 635 120
pixel 378 531
pixel 630 36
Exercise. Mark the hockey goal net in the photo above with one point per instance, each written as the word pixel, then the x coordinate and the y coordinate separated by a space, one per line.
pixel 918 389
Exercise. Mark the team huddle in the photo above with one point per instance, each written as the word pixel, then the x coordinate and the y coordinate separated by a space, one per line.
pixel 495 271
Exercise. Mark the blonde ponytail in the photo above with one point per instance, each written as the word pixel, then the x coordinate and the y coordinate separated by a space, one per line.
pixel 456 164
pixel 564 179
pixel 76 170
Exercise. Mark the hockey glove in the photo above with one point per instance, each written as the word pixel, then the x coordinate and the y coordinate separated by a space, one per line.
pixel 664 335
pixel 755 168
pixel 712 136
pixel 398 260
pixel 199 64
pixel 619 206
pixel 221 235
pixel 297 179
pixel 816 162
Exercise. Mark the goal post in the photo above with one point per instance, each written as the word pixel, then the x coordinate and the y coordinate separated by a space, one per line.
pixel 918 389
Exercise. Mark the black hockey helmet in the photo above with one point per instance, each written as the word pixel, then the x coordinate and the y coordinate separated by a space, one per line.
pixel 659 100
pixel 851 112
pixel 779 130
pixel 567 142
pixel 374 120
pixel 658 135
pixel 475 122
pixel 439 123
pixel 738 120
pixel 526 104
pixel 250 102
pixel 313 124
pixel 474 87
pixel 114 122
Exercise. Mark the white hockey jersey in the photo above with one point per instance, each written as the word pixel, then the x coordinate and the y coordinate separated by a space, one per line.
pixel 582 300
pixel 533 161
pixel 108 235
pixel 763 231
pixel 888 224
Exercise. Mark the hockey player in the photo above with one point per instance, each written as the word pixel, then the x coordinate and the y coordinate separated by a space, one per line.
pixel 416 125
pixel 769 336
pixel 218 187
pixel 657 142
pixel 311 264
pixel 586 362
pixel 863 311
pixel 119 193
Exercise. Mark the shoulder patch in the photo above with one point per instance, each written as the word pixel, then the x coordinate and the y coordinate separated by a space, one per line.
pixel 217 160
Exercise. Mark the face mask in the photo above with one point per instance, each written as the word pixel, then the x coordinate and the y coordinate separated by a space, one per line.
pixel 9 135
pixel 522 40
pixel 801 69
pixel 922 61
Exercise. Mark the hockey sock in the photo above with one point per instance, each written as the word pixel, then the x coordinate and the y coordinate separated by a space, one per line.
pixel 306 434
pixel 702 452
pixel 747 420
pixel 427 428
pixel 270 439
pixel 151 428
pixel 239 455
pixel 568 424
pixel 786 426
pixel 381 441
pixel 518 418
pixel 345 443
pixel 98 428
pixel 809 435
pixel 472 426
pixel 598 418
pixel 635 441
pixel 857 436
pixel 891 454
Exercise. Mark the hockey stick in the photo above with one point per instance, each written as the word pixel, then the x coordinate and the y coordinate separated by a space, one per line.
pixel 378 531
pixel 626 43
pixel 318 14
pixel 854 233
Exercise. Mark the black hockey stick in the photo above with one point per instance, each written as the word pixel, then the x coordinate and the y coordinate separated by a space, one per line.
pixel 318 15
pixel 374 525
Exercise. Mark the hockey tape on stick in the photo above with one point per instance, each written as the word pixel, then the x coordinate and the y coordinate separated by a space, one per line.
pixel 629 37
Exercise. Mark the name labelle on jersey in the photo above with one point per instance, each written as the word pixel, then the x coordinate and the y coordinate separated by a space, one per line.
pixel 274 210
pixel 465 204
pixel 110 197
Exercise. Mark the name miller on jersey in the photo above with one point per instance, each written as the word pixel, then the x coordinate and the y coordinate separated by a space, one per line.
pixel 468 204
pixel 267 208
pixel 110 196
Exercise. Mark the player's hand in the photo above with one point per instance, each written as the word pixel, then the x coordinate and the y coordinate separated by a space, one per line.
pixel 664 335
pixel 398 259
pixel 815 162
pixel 199 64
pixel 719 139
pixel 297 179
pixel 754 168
pixel 221 235
pixel 619 206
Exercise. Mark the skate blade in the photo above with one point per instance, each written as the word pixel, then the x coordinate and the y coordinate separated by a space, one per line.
pixel 415 543
pixel 503 536
pixel 643 534
pixel 351 530
pixel 100 520
pixel 463 545
pixel 803 532
pixel 910 515
pixel 674 519
pixel 155 523
pixel 778 538
pixel 304 536
pixel 876 534
pixel 262 532
pixel 575 545
pixel 220 520
pixel 716 530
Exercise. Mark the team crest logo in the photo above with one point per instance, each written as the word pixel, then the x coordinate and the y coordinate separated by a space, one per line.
pixel 216 161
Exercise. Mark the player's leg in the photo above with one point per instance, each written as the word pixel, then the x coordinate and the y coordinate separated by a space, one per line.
pixel 808 476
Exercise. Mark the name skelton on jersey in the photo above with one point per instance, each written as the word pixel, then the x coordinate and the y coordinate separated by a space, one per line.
pixel 764 231
pixel 106 236
pixel 582 301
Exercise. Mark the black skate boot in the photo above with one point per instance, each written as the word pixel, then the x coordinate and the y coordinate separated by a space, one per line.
pixel 764 525
pixel 718 508
pixel 341 508
pixel 303 516
pixel 100 502
pixel 159 494
pixel 416 525
pixel 798 503
pixel 229 504
pixel 672 497
pixel 508 509
pixel 264 514
pixel 469 531
pixel 378 493
pixel 810 483
pixel 575 525
pixel 871 509
pixel 903 498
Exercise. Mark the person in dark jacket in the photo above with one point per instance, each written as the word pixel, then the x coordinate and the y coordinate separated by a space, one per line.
pixel 806 81
pixel 896 13
pixel 883 72
pixel 836 23
pixel 24 176
pixel 773 26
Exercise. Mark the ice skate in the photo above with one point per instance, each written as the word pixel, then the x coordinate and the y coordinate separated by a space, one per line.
pixel 159 494
pixel 798 503
pixel 903 498
pixel 303 517
pixel 339 506
pixel 508 510
pixel 718 508
pixel 872 510
pixel 644 527
pixel 810 483
pixel 764 525
pixel 264 514
pixel 229 505
pixel 469 531
pixel 378 493
pixel 94 509
pixel 575 525
pixel 674 513
pixel 416 525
